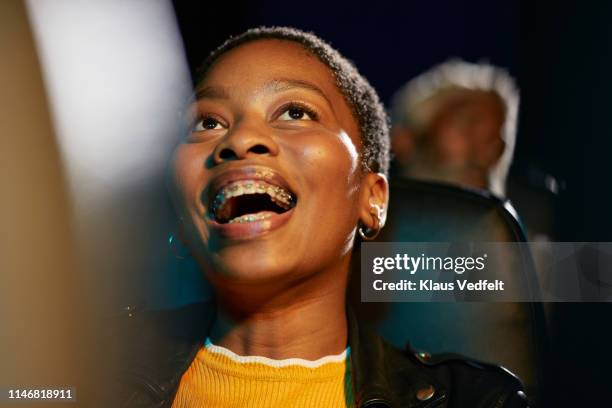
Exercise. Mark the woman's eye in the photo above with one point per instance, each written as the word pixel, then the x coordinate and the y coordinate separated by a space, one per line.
pixel 296 113
pixel 207 124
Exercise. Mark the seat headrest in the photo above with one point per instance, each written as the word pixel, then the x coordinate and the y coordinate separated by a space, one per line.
pixel 435 212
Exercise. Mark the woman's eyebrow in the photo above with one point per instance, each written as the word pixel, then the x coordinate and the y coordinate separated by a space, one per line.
pixel 211 92
pixel 284 84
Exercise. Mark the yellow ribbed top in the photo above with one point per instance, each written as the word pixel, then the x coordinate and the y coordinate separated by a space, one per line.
pixel 218 378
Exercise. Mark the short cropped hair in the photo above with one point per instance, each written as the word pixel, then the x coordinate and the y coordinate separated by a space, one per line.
pixel 409 103
pixel 359 94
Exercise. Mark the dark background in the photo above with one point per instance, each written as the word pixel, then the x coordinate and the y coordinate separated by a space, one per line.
pixel 560 54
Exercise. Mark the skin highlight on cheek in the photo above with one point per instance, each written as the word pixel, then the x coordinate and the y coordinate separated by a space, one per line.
pixel 351 149
pixel 354 158
pixel 317 154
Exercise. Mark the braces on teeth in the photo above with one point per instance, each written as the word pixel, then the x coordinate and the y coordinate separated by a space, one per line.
pixel 278 195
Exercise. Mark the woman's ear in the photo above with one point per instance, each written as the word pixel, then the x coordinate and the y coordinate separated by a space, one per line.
pixel 374 200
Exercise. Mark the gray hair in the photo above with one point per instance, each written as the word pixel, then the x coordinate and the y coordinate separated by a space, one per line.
pixel 409 105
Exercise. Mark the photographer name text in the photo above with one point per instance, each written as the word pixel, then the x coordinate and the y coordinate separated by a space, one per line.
pixel 429 285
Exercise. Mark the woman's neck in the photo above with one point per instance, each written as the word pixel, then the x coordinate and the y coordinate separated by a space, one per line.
pixel 307 323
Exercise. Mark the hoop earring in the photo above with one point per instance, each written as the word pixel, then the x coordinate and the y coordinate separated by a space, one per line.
pixel 368 235
pixel 178 253
pixel 371 233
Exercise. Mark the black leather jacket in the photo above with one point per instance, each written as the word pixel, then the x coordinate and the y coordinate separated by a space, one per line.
pixel 160 346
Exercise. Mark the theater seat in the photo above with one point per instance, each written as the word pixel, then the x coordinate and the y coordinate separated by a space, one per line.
pixel 436 212
pixel 510 334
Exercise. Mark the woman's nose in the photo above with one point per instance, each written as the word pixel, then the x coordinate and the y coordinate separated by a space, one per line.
pixel 243 141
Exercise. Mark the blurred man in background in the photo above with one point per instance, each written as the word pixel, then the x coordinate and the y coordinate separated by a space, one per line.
pixel 456 123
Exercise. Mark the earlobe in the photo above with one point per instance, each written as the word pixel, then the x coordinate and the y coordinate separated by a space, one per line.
pixel 380 213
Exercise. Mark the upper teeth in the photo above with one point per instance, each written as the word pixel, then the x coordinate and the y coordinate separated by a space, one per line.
pixel 278 194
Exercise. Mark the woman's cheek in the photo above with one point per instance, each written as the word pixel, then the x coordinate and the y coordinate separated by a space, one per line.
pixel 188 168
pixel 331 155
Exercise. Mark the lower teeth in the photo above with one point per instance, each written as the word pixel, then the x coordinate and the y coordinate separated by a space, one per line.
pixel 249 218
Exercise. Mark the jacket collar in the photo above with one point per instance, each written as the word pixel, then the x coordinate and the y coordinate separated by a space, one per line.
pixel 370 381
pixel 384 376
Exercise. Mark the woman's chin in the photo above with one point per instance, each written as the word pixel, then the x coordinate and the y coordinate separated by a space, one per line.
pixel 254 263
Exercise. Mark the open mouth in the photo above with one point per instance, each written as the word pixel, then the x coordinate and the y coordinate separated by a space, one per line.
pixel 250 200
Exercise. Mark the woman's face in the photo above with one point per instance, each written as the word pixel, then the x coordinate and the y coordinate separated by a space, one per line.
pixel 268 183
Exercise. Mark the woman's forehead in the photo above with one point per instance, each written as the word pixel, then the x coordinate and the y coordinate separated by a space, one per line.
pixel 266 60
